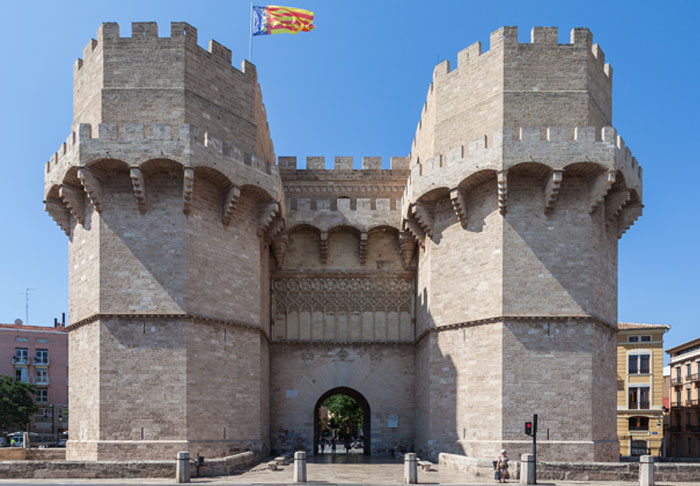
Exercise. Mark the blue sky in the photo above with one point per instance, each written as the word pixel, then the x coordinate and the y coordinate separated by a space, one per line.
pixel 355 86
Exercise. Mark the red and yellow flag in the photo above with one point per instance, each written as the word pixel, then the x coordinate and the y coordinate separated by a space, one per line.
pixel 274 19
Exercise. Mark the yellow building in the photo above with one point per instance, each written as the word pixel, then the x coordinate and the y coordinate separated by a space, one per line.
pixel 640 363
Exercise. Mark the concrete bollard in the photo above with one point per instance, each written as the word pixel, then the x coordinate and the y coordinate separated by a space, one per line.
pixel 646 471
pixel 299 467
pixel 410 468
pixel 527 469
pixel 182 471
pixel 25 440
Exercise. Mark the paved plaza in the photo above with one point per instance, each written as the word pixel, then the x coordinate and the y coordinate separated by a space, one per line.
pixel 326 473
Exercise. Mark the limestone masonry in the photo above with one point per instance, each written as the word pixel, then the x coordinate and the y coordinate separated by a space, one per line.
pixel 217 292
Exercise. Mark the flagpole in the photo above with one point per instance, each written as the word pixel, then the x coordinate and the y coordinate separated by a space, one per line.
pixel 250 41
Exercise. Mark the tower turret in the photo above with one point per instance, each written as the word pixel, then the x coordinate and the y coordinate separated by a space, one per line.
pixel 168 191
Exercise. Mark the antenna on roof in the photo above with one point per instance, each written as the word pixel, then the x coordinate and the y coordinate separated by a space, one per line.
pixel 27 292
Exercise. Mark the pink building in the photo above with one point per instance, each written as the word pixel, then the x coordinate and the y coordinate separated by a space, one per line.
pixel 39 355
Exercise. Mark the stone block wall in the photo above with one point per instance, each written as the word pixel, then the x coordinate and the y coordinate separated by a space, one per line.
pixel 300 374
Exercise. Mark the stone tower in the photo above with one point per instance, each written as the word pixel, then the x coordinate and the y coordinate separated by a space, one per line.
pixel 217 297
pixel 518 193
pixel 167 189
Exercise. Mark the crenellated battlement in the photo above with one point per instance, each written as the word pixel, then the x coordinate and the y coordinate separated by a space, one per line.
pixel 181 33
pixel 343 196
pixel 128 142
pixel 554 147
pixel 508 85
pixel 507 38
pixel 343 164
pixel 186 84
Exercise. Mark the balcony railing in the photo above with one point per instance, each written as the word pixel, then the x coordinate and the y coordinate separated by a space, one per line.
pixel 41 381
pixel 694 377
pixel 693 428
pixel 692 402
pixel 639 405
pixel 675 428
pixel 676 403
pixel 20 360
pixel 41 361
pixel 677 380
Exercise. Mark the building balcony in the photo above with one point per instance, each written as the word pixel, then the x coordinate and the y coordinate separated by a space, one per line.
pixel 692 403
pixel 677 381
pixel 676 403
pixel 694 377
pixel 639 405
pixel 675 428
pixel 693 428
pixel 20 360
pixel 41 361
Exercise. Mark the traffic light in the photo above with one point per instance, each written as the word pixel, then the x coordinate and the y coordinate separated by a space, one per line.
pixel 528 428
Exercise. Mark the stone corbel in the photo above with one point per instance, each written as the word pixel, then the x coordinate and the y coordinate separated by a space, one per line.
pixel 279 247
pixel 266 215
pixel 407 243
pixel 502 179
pixel 324 246
pixel 410 225
pixel 138 184
pixel 59 213
pixel 230 200
pixel 73 199
pixel 423 215
pixel 187 188
pixel 459 204
pixel 551 190
pixel 614 202
pixel 92 186
pixel 363 247
pixel 630 213
pixel 600 188
pixel 275 228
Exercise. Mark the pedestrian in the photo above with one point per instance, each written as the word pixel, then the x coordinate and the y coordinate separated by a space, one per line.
pixel 12 442
pixel 333 446
pixel 502 467
pixel 320 446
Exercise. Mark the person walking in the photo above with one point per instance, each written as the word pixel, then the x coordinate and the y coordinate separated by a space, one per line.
pixel 502 467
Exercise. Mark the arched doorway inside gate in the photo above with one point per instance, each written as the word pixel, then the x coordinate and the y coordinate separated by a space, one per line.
pixel 363 432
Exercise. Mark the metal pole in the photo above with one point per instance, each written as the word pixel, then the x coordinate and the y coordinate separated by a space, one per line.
pixel 250 41
pixel 534 445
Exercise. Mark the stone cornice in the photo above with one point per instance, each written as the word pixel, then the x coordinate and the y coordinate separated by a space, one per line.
pixel 491 320
pixel 190 317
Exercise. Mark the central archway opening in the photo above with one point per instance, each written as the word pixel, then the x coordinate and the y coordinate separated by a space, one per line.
pixel 342 423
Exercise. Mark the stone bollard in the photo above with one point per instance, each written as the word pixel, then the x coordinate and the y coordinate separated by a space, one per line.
pixel 527 469
pixel 410 468
pixel 646 471
pixel 299 467
pixel 25 440
pixel 182 471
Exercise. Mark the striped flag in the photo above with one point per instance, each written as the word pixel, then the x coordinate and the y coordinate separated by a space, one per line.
pixel 274 19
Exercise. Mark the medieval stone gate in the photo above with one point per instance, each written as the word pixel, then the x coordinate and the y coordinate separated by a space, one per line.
pixel 461 289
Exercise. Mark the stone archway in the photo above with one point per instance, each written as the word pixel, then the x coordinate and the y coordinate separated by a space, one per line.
pixel 366 417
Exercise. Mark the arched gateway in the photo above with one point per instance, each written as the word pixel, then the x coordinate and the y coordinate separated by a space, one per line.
pixel 366 416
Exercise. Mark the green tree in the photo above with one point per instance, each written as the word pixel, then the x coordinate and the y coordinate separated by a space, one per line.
pixel 16 403
pixel 347 413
